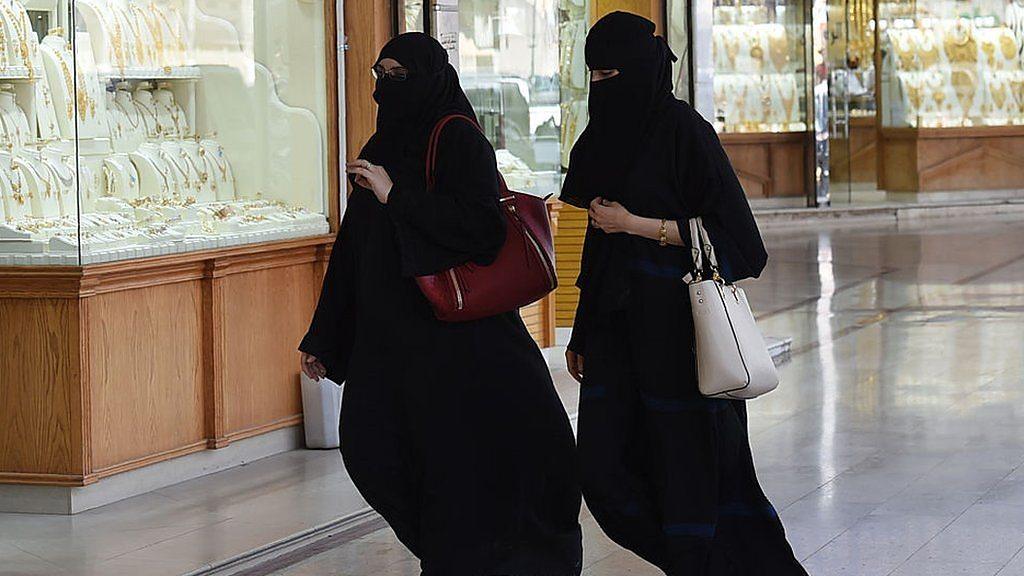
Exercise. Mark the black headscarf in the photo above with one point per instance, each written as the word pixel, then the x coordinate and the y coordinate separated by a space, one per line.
pixel 407 110
pixel 621 107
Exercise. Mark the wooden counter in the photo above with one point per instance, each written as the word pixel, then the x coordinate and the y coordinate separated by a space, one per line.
pixel 951 159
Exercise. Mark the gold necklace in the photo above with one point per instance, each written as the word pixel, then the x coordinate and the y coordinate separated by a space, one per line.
pixel 998 91
pixel 901 42
pixel 155 30
pixel 19 29
pixel 133 25
pixel 964 84
pixel 732 48
pixel 169 159
pixel 86 104
pixel 115 35
pixel 143 109
pixel 787 102
pixel 1007 45
pixel 204 175
pixel 960 45
pixel 756 51
pixel 160 14
pixel 20 163
pixel 929 56
pixel 778 45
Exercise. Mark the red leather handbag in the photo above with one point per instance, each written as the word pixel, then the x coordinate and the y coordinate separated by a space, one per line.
pixel 522 273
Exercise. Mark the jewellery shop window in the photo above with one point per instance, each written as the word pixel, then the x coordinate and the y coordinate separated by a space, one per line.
pixel 135 128
pixel 952 64
pixel 509 67
pixel 759 71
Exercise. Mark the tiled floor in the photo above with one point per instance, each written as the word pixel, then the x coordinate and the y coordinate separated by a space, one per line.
pixel 894 447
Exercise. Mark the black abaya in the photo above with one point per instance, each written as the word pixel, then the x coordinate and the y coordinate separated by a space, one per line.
pixel 451 431
pixel 666 472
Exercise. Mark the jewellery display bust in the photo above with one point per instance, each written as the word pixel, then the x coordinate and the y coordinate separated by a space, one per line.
pixel 115 153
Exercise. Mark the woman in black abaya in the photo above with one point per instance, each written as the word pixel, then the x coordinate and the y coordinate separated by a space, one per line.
pixel 666 472
pixel 452 431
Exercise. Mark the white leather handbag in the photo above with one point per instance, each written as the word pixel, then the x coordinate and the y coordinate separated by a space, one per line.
pixel 732 359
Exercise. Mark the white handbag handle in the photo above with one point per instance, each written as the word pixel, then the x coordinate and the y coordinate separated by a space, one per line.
pixel 700 247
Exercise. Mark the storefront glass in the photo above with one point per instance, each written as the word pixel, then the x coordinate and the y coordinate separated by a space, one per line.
pixel 949 63
pixel 509 63
pixel 759 71
pixel 137 129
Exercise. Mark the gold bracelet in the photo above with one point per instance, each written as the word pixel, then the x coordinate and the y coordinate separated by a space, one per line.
pixel 663 234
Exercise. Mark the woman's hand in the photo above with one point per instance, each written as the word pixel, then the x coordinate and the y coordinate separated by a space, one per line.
pixel 373 177
pixel 574 362
pixel 610 217
pixel 313 367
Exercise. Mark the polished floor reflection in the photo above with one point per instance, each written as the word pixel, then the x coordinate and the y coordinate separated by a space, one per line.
pixel 895 445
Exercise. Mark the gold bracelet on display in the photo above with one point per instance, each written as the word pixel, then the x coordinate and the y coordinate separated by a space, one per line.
pixel 663 233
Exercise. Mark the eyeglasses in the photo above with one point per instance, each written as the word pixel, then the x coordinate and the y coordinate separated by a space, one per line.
pixel 398 73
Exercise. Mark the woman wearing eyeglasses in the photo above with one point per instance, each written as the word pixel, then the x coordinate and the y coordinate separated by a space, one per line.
pixel 666 472
pixel 451 431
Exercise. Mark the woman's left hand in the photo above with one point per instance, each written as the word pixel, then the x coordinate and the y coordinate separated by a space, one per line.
pixel 371 176
pixel 610 217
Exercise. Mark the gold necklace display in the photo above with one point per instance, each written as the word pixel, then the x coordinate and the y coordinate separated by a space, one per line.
pixel 756 51
pixel 732 48
pixel 913 89
pixel 1008 45
pixel 155 30
pixel 787 99
pixel 998 91
pixel 903 46
pixel 778 48
pixel 928 51
pixel 86 104
pixel 143 110
pixel 4 59
pixel 19 29
pixel 116 38
pixel 965 86
pixel 960 45
pixel 174 32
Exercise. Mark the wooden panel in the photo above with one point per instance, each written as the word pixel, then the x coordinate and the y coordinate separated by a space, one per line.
pixel 368 27
pixel 769 165
pixel 265 315
pixel 953 159
pixel 572 227
pixel 145 352
pixel 653 10
pixel 39 405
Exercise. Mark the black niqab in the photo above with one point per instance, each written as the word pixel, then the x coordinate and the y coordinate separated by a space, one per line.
pixel 407 110
pixel 620 108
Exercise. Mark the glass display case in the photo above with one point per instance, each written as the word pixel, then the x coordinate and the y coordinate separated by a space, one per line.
pixel 509 66
pixel 949 63
pixel 133 129
pixel 759 66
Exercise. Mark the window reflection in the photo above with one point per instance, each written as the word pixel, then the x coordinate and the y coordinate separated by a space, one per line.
pixel 509 66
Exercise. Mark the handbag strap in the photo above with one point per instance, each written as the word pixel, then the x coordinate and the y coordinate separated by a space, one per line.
pixel 432 146
pixel 701 248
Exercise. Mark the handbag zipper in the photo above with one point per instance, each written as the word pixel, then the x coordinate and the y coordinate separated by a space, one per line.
pixel 457 288
pixel 536 246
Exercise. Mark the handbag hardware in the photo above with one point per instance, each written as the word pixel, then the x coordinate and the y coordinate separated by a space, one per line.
pixel 732 359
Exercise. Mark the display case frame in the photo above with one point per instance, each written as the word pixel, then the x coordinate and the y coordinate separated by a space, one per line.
pixel 113 369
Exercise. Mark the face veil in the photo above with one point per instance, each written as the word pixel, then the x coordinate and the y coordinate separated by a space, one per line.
pixel 408 109
pixel 621 107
